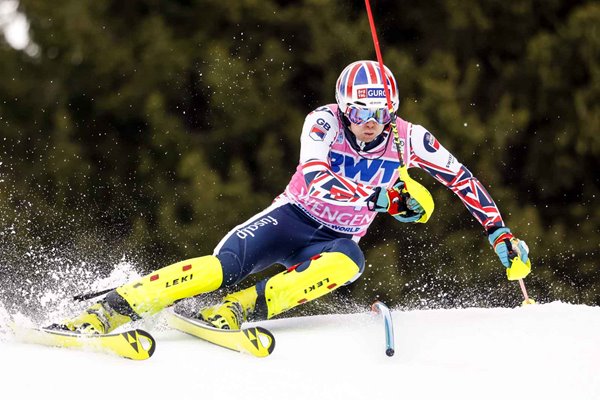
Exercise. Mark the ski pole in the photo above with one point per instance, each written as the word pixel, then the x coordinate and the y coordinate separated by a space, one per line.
pixel 412 187
pixel 382 309
pixel 514 256
pixel 528 300
pixel 91 295
pixel 386 89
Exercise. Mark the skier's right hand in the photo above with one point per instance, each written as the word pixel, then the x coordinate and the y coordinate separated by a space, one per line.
pixel 396 202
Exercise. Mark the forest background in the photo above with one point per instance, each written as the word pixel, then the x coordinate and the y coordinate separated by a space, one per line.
pixel 143 131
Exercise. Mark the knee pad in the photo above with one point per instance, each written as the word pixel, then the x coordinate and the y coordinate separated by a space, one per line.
pixel 350 248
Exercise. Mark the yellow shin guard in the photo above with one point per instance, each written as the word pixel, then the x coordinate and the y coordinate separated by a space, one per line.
pixel 162 288
pixel 150 294
pixel 301 283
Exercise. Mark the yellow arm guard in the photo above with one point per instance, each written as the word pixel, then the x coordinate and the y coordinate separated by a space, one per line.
pixel 417 192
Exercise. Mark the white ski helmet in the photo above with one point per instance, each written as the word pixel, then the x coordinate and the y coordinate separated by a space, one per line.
pixel 360 84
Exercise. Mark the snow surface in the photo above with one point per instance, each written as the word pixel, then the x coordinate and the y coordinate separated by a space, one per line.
pixel 549 351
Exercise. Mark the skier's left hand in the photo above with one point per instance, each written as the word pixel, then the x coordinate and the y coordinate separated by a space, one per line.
pixel 513 253
pixel 398 203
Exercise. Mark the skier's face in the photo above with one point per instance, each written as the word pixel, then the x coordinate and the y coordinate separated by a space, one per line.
pixel 367 132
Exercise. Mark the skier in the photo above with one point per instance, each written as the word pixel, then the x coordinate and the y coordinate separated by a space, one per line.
pixel 348 172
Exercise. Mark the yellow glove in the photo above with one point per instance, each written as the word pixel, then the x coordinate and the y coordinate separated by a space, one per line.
pixel 518 269
pixel 513 253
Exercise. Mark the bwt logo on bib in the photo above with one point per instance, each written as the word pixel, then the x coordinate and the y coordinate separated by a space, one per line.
pixel 370 93
pixel 363 170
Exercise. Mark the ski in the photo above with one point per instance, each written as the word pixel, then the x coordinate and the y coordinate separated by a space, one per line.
pixel 256 341
pixel 134 344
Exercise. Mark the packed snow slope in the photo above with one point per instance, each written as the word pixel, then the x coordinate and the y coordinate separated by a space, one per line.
pixel 549 351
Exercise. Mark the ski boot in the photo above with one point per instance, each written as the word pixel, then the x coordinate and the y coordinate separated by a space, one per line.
pixel 99 319
pixel 232 312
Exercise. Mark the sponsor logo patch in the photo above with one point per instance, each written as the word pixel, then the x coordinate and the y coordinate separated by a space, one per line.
pixel 364 93
pixel 430 142
pixel 364 170
pixel 316 133
pixel 249 230
pixel 319 130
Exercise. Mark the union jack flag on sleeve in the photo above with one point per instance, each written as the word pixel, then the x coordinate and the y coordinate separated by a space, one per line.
pixel 428 154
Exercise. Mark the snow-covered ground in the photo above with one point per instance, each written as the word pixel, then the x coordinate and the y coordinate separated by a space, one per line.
pixel 549 351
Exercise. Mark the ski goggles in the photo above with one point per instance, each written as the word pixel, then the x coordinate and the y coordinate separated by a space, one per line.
pixel 361 116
